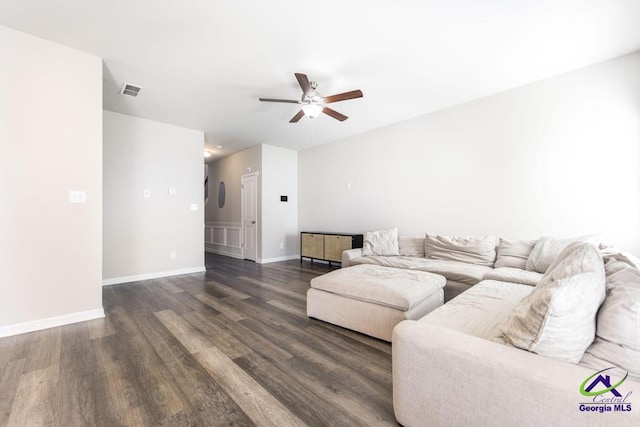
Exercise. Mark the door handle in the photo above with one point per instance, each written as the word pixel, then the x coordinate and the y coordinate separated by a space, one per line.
pixel 253 222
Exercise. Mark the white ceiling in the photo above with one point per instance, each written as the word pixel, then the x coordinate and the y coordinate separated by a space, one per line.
pixel 204 63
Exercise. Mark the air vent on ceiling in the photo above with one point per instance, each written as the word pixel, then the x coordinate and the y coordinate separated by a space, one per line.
pixel 130 89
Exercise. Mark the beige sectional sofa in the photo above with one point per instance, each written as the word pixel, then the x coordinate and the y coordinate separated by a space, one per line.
pixel 460 275
pixel 508 348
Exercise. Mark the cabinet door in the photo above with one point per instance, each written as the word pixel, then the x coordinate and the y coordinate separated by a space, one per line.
pixel 312 245
pixel 334 245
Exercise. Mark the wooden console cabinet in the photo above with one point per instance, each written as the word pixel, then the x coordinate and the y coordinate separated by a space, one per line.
pixel 327 246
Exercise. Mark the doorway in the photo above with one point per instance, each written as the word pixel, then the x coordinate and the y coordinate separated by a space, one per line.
pixel 249 211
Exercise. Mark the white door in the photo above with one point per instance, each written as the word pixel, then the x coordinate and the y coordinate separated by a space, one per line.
pixel 249 207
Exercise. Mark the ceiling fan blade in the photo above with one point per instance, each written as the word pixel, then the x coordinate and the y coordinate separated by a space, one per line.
pixel 290 101
pixel 304 83
pixel 297 117
pixel 343 96
pixel 333 113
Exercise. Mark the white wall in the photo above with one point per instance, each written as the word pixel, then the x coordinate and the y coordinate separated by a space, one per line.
pixel 558 157
pixel 279 219
pixel 230 170
pixel 50 143
pixel 141 232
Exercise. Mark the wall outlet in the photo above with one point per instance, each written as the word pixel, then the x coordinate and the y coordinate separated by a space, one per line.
pixel 282 246
pixel 147 194
pixel 77 196
pixel 172 191
pixel 173 254
pixel 194 206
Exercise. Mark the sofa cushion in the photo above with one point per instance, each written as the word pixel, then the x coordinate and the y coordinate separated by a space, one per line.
pixel 514 253
pixel 557 319
pixel 618 325
pixel 390 287
pixel 381 242
pixel 547 249
pixel 469 274
pixel 619 315
pixel 514 275
pixel 411 246
pixel 480 310
pixel 472 250
pixel 611 252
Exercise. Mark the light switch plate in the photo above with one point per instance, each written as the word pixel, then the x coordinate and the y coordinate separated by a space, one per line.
pixel 194 206
pixel 172 191
pixel 147 194
pixel 77 196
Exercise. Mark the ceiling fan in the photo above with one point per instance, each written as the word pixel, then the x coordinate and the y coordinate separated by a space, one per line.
pixel 313 103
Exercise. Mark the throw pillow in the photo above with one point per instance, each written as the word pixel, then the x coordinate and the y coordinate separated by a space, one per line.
pixel 514 253
pixel 472 250
pixel 558 319
pixel 411 246
pixel 548 248
pixel 381 242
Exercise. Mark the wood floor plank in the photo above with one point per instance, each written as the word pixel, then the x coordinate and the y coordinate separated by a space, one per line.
pixel 227 290
pixel 117 393
pixel 257 403
pixel 219 337
pixel 76 385
pixel 221 305
pixel 193 340
pixel 10 374
pixel 212 404
pixel 309 406
pixel 371 382
pixel 34 403
pixel 142 364
pixel 168 285
pixel 100 328
pixel 333 388
pixel 277 289
pixel 44 351
pixel 252 340
pixel 295 310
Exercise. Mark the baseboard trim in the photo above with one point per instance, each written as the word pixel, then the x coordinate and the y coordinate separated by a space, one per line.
pixel 149 276
pixel 50 322
pixel 277 259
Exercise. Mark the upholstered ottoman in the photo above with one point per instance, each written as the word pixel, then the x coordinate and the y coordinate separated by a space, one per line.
pixel 373 299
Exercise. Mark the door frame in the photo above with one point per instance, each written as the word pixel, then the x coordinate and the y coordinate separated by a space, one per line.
pixel 242 177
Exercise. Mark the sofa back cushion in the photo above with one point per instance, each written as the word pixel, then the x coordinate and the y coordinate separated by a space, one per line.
pixel 514 253
pixel 381 242
pixel 558 319
pixel 411 246
pixel 472 250
pixel 618 326
pixel 548 248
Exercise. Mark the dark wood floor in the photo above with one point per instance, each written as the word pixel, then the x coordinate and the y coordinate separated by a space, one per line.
pixel 230 347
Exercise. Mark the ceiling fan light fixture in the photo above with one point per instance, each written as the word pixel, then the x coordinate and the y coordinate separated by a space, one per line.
pixel 312 110
pixel 207 154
